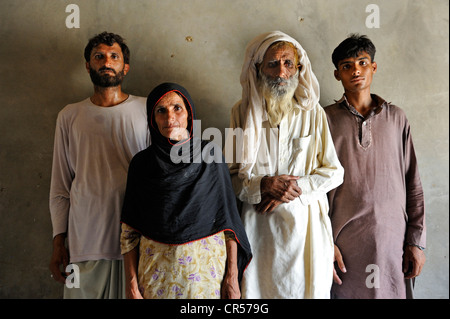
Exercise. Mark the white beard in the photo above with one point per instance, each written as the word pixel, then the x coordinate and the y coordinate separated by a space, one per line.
pixel 279 98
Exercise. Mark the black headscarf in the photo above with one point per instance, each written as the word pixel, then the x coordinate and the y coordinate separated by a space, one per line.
pixel 176 203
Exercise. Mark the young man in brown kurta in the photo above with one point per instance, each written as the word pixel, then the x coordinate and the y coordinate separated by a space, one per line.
pixel 377 214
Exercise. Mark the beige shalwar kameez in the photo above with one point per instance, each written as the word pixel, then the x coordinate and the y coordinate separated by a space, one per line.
pixel 293 245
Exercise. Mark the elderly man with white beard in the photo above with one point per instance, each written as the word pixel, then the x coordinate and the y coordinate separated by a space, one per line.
pixel 282 170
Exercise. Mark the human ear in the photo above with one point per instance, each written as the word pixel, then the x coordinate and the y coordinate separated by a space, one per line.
pixel 126 68
pixel 336 75
pixel 374 67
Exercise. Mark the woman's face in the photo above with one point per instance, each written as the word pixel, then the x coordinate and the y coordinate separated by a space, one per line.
pixel 171 116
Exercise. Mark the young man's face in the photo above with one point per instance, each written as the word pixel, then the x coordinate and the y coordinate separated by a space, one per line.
pixel 107 66
pixel 356 73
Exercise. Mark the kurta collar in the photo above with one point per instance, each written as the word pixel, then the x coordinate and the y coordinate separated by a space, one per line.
pixel 381 103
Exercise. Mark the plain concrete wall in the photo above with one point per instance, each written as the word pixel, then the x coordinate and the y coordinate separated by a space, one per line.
pixel 200 44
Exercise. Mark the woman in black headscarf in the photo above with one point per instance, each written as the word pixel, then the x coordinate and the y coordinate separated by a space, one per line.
pixel 182 236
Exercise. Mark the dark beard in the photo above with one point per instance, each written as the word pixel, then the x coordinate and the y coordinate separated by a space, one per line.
pixel 106 80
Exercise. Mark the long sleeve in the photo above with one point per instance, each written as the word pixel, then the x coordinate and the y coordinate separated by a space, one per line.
pixel 93 148
pixel 61 179
pixel 415 207
pixel 329 172
pixel 246 189
pixel 129 239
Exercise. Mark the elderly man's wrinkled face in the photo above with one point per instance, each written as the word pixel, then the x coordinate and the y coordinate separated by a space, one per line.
pixel 279 70
pixel 279 62
pixel 278 75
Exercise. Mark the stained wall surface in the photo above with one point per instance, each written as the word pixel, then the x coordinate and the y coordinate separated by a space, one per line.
pixel 200 44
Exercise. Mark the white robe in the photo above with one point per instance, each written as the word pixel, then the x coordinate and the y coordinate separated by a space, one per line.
pixel 293 246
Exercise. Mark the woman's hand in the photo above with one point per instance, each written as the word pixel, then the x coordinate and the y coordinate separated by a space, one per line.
pixel 131 259
pixel 230 284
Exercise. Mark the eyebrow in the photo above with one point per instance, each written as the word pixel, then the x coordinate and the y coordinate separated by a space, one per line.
pixel 172 104
pixel 104 52
pixel 283 57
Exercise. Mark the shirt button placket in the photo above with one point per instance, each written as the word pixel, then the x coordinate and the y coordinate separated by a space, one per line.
pixel 283 148
pixel 365 133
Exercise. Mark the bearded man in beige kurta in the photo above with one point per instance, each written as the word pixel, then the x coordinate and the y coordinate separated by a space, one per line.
pixel 283 166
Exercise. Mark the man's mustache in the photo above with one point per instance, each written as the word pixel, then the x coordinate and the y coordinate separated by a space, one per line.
pixel 277 81
pixel 104 68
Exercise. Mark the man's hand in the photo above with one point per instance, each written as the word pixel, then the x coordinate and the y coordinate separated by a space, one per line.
pixel 267 204
pixel 415 257
pixel 282 188
pixel 276 190
pixel 340 263
pixel 60 257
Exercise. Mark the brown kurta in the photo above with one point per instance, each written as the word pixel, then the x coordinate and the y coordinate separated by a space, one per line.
pixel 380 205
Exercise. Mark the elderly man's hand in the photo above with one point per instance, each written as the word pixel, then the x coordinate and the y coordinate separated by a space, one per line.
pixel 283 188
pixel 267 204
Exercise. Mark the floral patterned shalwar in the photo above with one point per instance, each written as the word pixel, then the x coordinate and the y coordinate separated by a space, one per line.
pixel 193 270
